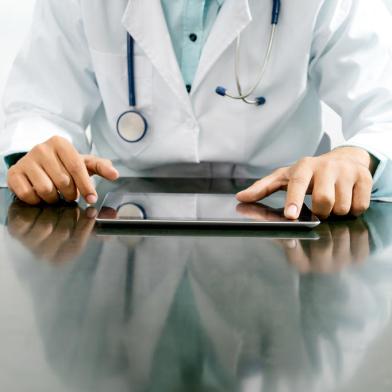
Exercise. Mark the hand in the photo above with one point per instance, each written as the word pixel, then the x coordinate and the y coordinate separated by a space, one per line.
pixel 340 182
pixel 56 234
pixel 341 245
pixel 55 167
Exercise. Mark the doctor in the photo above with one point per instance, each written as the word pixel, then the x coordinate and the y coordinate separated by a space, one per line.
pixel 153 79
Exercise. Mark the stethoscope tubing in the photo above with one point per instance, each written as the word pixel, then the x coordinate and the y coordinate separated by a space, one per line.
pixel 276 10
pixel 262 72
pixel 131 71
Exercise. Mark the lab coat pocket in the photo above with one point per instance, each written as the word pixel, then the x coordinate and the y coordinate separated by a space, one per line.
pixel 111 72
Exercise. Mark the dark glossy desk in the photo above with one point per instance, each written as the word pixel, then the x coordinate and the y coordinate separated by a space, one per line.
pixel 97 309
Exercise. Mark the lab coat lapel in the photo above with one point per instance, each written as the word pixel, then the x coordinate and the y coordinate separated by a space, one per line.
pixel 232 19
pixel 145 21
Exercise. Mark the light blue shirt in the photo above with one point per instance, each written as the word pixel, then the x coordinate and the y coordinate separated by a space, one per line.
pixel 189 23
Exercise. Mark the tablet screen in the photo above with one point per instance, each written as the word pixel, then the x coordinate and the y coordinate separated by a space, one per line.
pixel 195 208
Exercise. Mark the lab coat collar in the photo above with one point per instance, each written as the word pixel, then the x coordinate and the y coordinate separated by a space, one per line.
pixel 145 21
pixel 233 18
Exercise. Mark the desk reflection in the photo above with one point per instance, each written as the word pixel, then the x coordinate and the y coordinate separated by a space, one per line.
pixel 340 245
pixel 189 313
pixel 58 233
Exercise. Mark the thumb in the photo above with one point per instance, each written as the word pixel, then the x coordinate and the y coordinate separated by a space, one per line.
pixel 101 167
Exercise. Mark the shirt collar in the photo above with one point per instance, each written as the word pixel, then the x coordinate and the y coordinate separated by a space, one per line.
pixel 220 2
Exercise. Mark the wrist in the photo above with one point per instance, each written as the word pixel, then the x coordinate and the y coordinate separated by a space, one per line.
pixel 359 155
pixel 12 159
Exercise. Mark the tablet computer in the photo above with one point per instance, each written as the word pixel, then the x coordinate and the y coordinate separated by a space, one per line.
pixel 183 209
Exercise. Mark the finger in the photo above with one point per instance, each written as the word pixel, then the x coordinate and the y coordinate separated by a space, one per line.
pixel 343 197
pixel 59 176
pixel 19 184
pixel 298 185
pixel 101 167
pixel 61 233
pixel 323 195
pixel 321 254
pixel 297 256
pixel 79 237
pixel 41 230
pixel 49 248
pixel 21 219
pixel 91 213
pixel 360 241
pixel 264 187
pixel 289 243
pixel 361 195
pixel 342 255
pixel 75 166
pixel 41 183
pixel 68 221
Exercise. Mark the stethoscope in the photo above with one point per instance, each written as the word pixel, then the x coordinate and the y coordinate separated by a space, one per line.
pixel 132 126
pixel 131 211
pixel 258 101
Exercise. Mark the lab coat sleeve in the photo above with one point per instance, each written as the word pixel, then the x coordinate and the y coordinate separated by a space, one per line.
pixel 52 88
pixel 351 67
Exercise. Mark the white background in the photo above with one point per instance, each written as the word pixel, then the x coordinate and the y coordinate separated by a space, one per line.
pixel 15 16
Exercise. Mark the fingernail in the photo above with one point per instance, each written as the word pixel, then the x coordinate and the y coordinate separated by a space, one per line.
pixel 91 199
pixel 91 213
pixel 242 193
pixel 291 244
pixel 112 171
pixel 292 211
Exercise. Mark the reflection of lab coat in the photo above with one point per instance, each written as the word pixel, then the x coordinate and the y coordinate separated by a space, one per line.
pixel 104 318
pixel 72 71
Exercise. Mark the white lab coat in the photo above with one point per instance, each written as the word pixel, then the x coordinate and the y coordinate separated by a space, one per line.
pixel 72 72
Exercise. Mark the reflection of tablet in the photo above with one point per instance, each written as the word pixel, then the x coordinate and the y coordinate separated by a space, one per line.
pixel 196 209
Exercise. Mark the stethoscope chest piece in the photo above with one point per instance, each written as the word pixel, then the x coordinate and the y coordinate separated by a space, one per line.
pixel 132 126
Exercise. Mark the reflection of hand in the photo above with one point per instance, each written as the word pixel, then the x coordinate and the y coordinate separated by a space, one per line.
pixel 52 233
pixel 341 244
pixel 259 212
